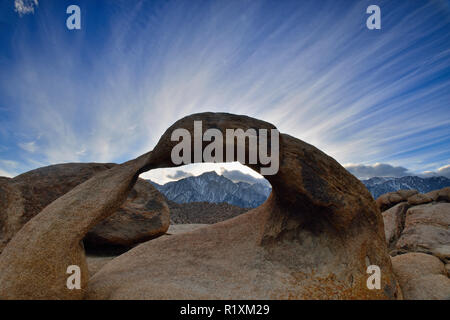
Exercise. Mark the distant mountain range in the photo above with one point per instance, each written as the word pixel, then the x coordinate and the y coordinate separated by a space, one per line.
pixel 378 186
pixel 245 191
pixel 214 188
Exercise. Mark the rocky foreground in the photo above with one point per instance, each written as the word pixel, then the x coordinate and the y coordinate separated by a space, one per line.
pixel 313 238
pixel 418 237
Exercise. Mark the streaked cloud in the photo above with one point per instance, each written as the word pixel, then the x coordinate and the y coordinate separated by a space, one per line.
pixel 108 92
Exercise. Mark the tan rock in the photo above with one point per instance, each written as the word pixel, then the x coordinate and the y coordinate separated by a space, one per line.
pixel 34 263
pixel 440 195
pixel 394 220
pixel 183 228
pixel 95 263
pixel 421 276
pixel 313 238
pixel 388 200
pixel 419 199
pixel 427 230
pixel 24 196
pixel 144 216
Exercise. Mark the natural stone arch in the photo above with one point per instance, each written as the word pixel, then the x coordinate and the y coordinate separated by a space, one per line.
pixel 313 237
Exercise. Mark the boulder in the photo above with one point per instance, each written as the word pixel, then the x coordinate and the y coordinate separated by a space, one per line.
pixel 394 220
pixel 419 199
pixel 421 276
pixel 440 195
pixel 34 264
pixel 427 230
pixel 143 216
pixel 313 238
pixel 388 200
pixel 95 263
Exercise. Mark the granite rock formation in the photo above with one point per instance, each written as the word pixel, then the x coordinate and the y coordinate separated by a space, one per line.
pixel 418 235
pixel 313 238
pixel 143 216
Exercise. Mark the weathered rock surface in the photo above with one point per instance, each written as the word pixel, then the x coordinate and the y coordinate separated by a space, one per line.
pixel 421 276
pixel 427 230
pixel 34 263
pixel 95 263
pixel 394 220
pixel 388 200
pixel 313 238
pixel 419 199
pixel 143 216
pixel 440 195
pixel 183 228
pixel 202 212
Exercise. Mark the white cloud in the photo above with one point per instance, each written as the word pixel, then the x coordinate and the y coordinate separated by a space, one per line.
pixel 440 172
pixel 165 175
pixel 377 170
pixel 25 6
pixel 444 171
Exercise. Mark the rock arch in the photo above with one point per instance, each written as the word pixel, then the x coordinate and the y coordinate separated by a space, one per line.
pixel 313 238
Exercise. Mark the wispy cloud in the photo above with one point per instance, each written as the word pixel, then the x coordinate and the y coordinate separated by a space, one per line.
pixel 107 93
pixel 28 146
pixel 25 6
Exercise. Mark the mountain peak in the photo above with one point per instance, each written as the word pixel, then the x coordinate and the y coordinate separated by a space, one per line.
pixel 214 188
pixel 381 185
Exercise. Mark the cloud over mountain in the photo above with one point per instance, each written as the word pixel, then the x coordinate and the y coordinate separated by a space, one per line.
pixel 377 170
pixel 179 174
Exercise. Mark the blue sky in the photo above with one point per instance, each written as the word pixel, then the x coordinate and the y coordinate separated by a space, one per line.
pixel 378 101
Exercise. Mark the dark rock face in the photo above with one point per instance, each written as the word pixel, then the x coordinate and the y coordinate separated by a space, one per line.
pixel 143 216
pixel 213 188
pixel 313 238
pixel 24 196
pixel 390 199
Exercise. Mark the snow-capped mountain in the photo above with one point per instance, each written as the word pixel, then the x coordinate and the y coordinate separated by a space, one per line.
pixel 214 188
pixel 246 191
pixel 378 186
